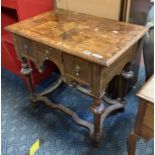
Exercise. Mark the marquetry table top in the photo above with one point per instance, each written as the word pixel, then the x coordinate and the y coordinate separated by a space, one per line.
pixel 147 90
pixel 92 38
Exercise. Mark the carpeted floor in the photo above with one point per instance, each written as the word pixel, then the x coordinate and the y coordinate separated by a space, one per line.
pixel 22 125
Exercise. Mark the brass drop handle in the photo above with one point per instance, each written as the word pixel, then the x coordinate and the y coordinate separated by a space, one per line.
pixel 26 49
pixel 77 70
pixel 47 54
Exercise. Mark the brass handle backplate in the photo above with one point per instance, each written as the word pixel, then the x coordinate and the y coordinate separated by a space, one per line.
pixel 26 49
pixel 47 54
pixel 77 70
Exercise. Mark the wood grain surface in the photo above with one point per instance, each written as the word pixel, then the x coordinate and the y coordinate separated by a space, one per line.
pixel 91 38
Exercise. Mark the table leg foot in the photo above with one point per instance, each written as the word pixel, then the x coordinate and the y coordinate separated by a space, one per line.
pixel 132 143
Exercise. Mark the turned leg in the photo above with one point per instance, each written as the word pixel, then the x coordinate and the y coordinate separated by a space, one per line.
pixel 132 143
pixel 26 71
pixel 97 108
pixel 126 76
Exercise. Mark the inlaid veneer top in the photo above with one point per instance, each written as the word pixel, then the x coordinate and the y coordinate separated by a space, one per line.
pixel 147 90
pixel 92 38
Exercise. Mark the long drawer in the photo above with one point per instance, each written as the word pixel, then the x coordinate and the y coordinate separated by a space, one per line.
pixel 48 53
pixel 78 69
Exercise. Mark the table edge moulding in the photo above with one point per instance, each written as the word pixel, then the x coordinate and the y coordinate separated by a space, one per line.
pixel 43 39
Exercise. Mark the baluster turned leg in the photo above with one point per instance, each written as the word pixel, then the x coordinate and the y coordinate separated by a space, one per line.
pixel 126 76
pixel 97 108
pixel 26 71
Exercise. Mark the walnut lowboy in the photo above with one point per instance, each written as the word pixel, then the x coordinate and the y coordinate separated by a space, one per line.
pixel 89 51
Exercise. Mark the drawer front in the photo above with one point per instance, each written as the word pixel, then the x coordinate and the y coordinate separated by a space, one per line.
pixel 148 117
pixel 48 53
pixel 78 69
pixel 25 48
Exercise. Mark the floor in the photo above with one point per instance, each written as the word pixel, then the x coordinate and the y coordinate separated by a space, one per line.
pixel 22 125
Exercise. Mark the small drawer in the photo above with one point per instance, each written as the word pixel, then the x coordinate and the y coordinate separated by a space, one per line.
pixel 148 117
pixel 47 53
pixel 25 48
pixel 78 69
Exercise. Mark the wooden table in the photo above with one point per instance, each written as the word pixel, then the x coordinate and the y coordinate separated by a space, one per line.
pixel 89 51
pixel 144 127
